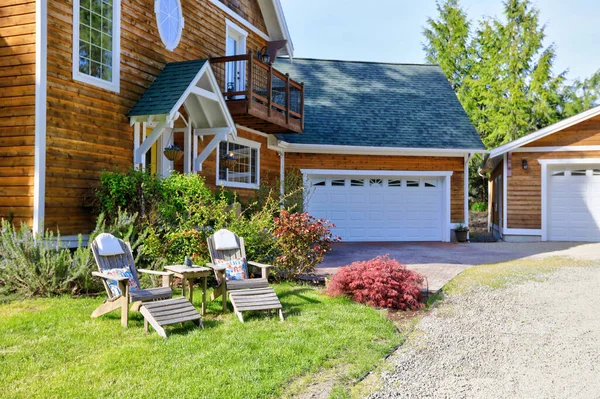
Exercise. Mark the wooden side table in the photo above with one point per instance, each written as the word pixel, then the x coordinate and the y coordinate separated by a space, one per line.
pixel 188 275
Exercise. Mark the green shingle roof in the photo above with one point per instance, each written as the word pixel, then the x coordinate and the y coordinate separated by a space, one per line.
pixel 167 88
pixel 380 105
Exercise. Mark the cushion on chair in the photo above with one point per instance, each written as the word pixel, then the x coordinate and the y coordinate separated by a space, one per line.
pixel 108 245
pixel 224 240
pixel 235 269
pixel 113 285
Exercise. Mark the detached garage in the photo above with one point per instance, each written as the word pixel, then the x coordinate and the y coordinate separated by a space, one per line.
pixel 385 149
pixel 546 185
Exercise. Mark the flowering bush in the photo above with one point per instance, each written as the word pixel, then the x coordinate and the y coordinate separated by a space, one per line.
pixel 302 241
pixel 380 282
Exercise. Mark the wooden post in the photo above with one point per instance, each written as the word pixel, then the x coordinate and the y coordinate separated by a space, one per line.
pixel 287 98
pixel 270 90
pixel 204 295
pixel 136 142
pixel 123 286
pixel 302 106
pixel 249 80
pixel 187 149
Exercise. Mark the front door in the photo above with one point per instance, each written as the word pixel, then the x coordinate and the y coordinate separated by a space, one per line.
pixel 235 70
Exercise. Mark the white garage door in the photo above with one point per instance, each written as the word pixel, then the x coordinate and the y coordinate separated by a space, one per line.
pixel 574 203
pixel 378 208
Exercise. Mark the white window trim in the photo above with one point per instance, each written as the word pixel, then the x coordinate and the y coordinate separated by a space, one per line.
pixel 116 45
pixel 241 20
pixel 173 45
pixel 248 143
pixel 231 26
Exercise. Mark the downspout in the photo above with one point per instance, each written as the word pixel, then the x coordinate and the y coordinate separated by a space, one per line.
pixel 41 55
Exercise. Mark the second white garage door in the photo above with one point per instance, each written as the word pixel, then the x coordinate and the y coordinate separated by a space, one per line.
pixel 375 208
pixel 574 203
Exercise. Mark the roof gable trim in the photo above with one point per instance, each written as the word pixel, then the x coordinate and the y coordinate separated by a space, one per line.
pixel 548 130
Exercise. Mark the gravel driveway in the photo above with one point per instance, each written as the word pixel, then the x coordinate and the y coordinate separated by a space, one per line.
pixel 535 339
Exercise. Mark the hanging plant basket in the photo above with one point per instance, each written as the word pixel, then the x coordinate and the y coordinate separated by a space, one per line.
pixel 229 160
pixel 173 154
pixel 229 163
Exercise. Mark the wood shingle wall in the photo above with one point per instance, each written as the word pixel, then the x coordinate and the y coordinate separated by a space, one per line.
pixel 87 127
pixel 17 108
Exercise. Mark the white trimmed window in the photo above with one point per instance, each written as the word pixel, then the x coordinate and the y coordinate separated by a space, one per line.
pixel 96 45
pixel 246 171
pixel 169 19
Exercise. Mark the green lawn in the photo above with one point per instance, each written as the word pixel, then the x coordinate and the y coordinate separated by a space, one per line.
pixel 52 348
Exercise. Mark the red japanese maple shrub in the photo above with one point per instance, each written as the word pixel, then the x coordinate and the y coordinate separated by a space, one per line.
pixel 381 282
pixel 303 241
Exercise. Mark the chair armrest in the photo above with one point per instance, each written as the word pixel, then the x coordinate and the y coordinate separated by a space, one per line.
pixel 218 268
pixel 261 265
pixel 264 272
pixel 107 277
pixel 156 272
pixel 167 277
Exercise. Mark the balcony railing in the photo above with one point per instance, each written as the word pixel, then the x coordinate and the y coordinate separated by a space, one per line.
pixel 259 95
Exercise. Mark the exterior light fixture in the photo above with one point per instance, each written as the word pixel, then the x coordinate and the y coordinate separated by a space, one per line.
pixel 524 164
pixel 263 55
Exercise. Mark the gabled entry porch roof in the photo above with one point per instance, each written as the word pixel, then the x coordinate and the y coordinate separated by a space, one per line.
pixel 188 84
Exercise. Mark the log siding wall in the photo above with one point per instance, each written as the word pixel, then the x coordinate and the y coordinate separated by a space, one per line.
pixel 17 113
pixel 524 190
pixel 87 130
pixel 412 163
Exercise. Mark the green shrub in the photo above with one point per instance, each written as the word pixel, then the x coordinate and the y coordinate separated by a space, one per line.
pixel 38 265
pixel 479 207
pixel 133 191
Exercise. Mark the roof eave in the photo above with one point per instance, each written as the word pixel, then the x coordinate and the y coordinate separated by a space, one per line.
pixel 548 130
pixel 371 150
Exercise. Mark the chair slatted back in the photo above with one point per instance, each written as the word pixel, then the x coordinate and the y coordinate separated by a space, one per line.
pixel 114 262
pixel 227 254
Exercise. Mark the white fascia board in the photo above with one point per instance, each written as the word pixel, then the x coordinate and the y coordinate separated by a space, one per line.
pixel 572 148
pixel 548 130
pixel 284 28
pixel 351 172
pixel 364 150
pixel 239 19
pixel 41 61
pixel 569 161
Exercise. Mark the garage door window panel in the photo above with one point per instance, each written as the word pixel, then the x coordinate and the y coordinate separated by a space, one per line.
pixel 394 183
pixel 338 182
pixel 357 183
pixel 412 183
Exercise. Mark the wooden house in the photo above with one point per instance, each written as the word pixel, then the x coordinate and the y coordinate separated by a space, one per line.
pixel 546 185
pixel 90 85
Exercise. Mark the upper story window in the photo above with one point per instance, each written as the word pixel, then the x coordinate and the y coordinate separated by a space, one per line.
pixel 246 171
pixel 96 31
pixel 169 19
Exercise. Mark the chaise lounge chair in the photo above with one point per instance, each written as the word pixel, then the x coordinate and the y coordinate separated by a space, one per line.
pixel 229 262
pixel 117 270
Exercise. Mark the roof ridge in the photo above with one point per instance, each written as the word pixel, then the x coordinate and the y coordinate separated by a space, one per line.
pixel 362 62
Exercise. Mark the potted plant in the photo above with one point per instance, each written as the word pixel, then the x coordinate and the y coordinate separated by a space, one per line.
pixel 173 152
pixel 461 232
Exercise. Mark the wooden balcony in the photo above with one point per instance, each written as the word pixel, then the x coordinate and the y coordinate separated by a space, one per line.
pixel 259 96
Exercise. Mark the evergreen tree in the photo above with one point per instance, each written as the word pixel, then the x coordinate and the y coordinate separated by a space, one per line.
pixel 503 75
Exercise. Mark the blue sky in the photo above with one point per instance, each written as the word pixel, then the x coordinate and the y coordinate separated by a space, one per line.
pixel 390 30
